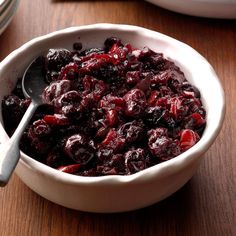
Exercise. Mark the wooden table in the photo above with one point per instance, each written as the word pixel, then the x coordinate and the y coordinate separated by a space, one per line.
pixel 204 206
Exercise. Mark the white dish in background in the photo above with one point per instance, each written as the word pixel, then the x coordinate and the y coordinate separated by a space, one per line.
pixel 117 193
pixel 204 8
pixel 7 11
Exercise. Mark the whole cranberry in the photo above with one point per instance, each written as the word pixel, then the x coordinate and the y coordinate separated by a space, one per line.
pixel 56 89
pixel 135 160
pixel 80 149
pixel 135 103
pixel 68 98
pixel 161 145
pixel 56 120
pixel 132 131
pixel 41 129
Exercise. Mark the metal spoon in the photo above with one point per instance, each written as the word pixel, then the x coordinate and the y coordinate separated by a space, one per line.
pixel 33 85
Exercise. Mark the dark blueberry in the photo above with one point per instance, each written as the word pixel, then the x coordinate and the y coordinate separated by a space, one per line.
pixel 77 46
pixel 109 42
pixel 57 58
pixel 41 129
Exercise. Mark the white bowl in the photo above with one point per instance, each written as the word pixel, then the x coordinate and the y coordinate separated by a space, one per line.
pixel 118 193
pixel 204 8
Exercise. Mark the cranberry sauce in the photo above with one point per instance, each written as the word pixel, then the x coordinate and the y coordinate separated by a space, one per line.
pixel 114 110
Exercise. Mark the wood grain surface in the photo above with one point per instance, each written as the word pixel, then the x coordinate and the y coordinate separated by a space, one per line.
pixel 206 205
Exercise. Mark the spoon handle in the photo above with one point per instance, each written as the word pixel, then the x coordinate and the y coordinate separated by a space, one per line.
pixel 9 151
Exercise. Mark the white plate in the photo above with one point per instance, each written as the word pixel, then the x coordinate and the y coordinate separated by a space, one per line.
pixel 204 8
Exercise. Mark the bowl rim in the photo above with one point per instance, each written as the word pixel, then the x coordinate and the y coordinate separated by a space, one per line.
pixel 174 164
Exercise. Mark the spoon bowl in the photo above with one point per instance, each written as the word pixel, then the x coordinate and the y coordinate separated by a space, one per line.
pixel 33 84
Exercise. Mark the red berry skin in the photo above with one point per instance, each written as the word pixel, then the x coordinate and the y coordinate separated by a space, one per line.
pixel 188 138
pixel 112 117
pixel 198 119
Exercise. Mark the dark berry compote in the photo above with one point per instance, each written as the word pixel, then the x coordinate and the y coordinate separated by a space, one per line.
pixel 114 110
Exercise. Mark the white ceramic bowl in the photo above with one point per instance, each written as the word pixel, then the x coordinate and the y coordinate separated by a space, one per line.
pixel 204 8
pixel 118 193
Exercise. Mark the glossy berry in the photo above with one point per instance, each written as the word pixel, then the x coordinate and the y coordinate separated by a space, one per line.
pixel 68 98
pixel 135 103
pixel 41 129
pixel 80 149
pixel 132 131
pixel 136 160
pixel 188 138
pixel 56 89
pixel 57 58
